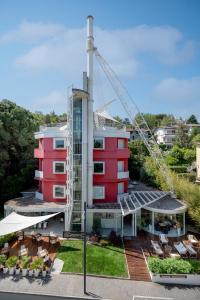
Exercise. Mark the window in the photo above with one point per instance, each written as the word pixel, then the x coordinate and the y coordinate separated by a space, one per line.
pixel 120 166
pixel 98 192
pixel 99 143
pixel 59 143
pixel 121 143
pixel 59 191
pixel 120 188
pixel 98 167
pixel 59 167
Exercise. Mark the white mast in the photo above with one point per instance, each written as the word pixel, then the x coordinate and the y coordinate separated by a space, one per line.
pixel 90 52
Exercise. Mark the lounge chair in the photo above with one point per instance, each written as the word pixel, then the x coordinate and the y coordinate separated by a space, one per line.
pixel 163 239
pixel 192 252
pixel 157 248
pixel 182 250
pixel 192 239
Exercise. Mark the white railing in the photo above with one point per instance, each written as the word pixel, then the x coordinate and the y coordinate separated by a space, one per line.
pixel 38 174
pixel 38 195
pixel 123 175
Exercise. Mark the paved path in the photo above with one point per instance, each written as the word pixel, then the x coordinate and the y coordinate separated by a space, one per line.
pixel 14 296
pixel 116 289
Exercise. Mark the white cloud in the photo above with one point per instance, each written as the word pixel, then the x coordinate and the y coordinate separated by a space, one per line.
pixel 32 32
pixel 172 89
pixel 54 101
pixel 65 48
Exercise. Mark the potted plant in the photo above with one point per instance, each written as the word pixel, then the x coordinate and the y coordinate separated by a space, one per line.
pixel 17 269
pixel 37 265
pixel 44 271
pixel 11 263
pixel 24 264
pixel 2 261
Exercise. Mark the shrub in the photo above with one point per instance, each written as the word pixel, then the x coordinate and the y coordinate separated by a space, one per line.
pixel 2 259
pixel 195 264
pixel 25 262
pixel 179 169
pixel 6 238
pixel 11 261
pixel 114 238
pixel 169 266
pixel 37 264
pixel 103 243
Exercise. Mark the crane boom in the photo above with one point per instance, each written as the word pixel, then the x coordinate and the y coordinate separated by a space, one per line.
pixel 131 110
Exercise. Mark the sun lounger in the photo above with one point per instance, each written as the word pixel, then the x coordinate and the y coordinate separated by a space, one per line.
pixel 163 239
pixel 192 252
pixel 182 250
pixel 192 239
pixel 157 248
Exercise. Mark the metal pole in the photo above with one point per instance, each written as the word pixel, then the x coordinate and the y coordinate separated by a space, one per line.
pixel 85 249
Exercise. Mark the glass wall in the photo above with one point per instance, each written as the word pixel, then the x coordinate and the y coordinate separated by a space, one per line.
pixel 77 164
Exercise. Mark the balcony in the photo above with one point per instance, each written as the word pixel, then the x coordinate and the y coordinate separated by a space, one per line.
pixel 38 174
pixel 39 196
pixel 123 175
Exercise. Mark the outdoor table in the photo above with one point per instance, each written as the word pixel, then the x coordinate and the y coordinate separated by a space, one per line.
pixel 175 255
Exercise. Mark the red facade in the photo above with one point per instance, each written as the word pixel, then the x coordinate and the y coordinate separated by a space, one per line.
pixel 110 155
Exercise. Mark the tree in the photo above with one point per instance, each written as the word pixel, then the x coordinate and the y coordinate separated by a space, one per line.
pixel 182 138
pixel 17 126
pixel 138 153
pixel 192 120
pixel 156 120
pixel 175 156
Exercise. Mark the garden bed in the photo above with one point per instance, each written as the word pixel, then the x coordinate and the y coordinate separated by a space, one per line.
pixel 174 271
pixel 106 260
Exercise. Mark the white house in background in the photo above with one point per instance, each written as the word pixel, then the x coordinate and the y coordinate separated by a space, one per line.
pixel 166 135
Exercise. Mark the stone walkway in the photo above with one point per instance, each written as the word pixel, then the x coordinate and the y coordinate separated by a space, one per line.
pixel 97 287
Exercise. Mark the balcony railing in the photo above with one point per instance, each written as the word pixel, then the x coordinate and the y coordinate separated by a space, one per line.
pixel 123 175
pixel 38 174
pixel 38 195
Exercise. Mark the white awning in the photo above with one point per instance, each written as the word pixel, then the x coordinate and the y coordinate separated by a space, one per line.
pixel 15 222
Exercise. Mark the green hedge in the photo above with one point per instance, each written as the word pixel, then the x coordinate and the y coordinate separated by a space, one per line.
pixel 6 238
pixel 173 266
pixel 179 169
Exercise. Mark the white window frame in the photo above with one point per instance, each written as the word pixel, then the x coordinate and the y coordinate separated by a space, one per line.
pixel 123 143
pixel 98 187
pixel 99 162
pixel 54 143
pixel 54 167
pixel 54 191
pixel 99 138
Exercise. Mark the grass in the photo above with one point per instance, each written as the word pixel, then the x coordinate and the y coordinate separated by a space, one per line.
pixel 108 260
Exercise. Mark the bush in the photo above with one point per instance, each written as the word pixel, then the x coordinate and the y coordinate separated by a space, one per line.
pixel 25 262
pixel 2 259
pixel 11 261
pixel 37 264
pixel 169 266
pixel 179 169
pixel 114 238
pixel 6 238
pixel 104 243
pixel 195 264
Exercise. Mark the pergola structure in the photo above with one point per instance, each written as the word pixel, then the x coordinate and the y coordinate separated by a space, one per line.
pixel 156 203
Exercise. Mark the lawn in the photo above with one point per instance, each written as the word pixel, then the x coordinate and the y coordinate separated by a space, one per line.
pixel 107 260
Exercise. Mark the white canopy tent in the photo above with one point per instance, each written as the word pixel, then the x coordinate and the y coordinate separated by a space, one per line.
pixel 15 222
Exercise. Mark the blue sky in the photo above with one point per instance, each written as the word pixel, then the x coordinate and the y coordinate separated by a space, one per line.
pixel 154 46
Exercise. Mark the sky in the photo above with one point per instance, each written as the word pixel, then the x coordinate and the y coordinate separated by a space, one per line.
pixel 152 45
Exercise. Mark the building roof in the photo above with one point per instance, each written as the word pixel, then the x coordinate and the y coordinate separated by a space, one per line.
pixel 157 201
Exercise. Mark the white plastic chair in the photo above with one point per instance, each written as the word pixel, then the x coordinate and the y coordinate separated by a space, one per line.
pixel 45 225
pixel 39 225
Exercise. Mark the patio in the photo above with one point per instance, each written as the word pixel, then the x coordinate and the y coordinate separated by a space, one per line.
pixel 137 248
pixel 32 247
